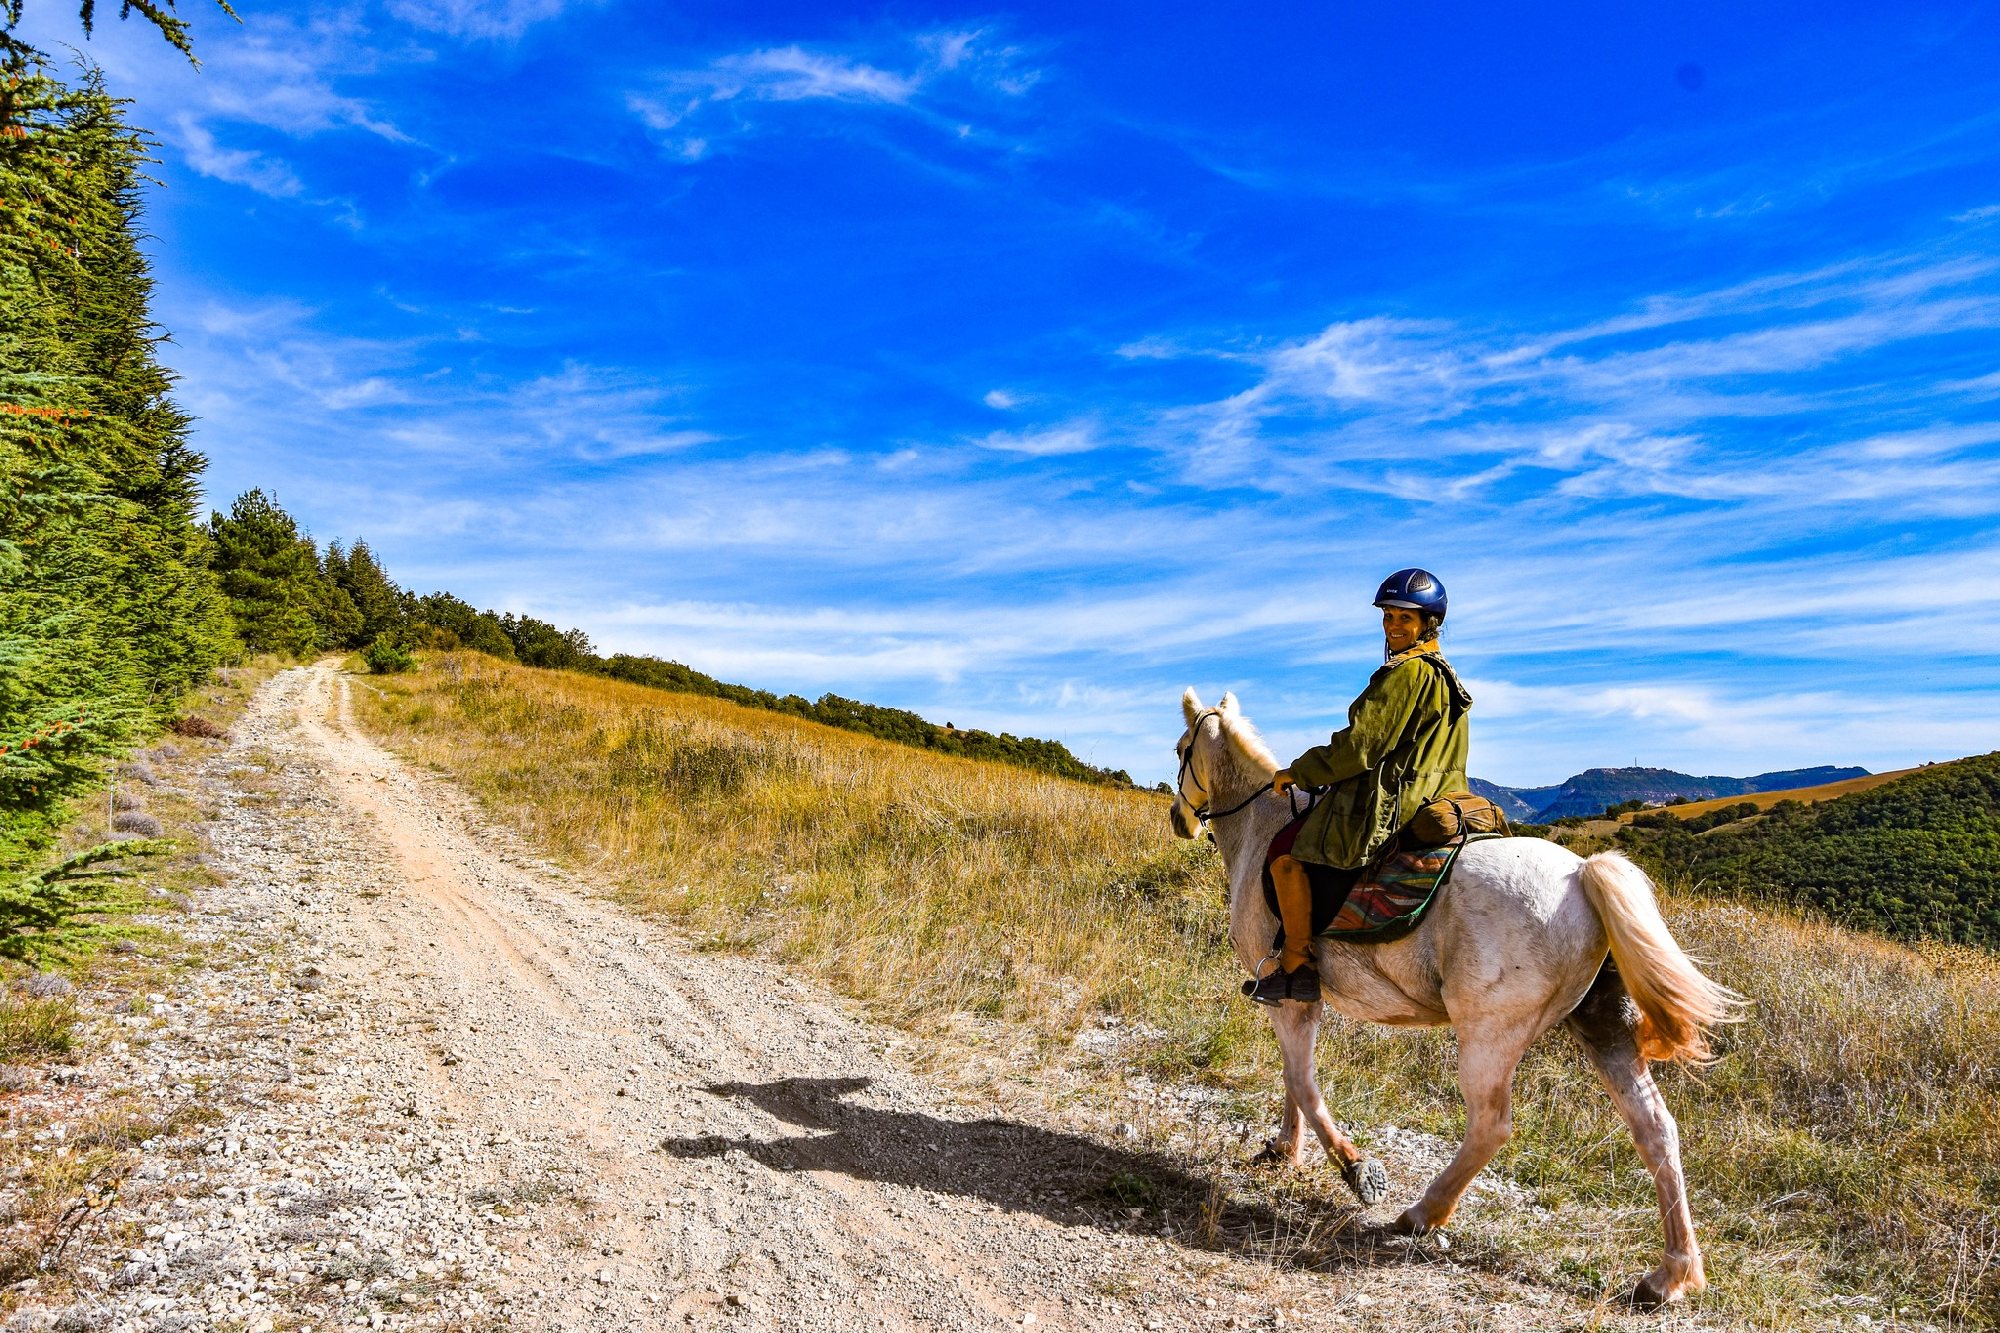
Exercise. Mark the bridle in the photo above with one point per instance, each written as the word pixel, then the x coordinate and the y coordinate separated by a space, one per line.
pixel 1201 812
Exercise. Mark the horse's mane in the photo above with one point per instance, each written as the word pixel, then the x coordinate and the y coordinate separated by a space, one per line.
pixel 1246 743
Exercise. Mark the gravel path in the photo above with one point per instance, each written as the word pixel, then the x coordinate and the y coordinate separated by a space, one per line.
pixel 463 1092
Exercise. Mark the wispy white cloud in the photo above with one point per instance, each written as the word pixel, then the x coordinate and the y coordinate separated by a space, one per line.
pixel 603 416
pixel 1074 437
pixel 253 363
pixel 484 20
pixel 1645 402
pixel 280 75
pixel 239 166
pixel 692 110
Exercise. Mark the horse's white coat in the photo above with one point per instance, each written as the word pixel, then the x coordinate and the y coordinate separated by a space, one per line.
pixel 1508 951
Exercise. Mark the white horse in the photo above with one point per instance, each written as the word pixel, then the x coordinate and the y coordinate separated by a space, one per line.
pixel 1515 944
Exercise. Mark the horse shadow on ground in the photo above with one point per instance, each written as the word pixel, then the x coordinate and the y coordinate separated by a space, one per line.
pixel 1068 1178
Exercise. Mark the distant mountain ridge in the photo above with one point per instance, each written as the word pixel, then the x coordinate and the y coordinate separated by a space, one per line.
pixel 1596 790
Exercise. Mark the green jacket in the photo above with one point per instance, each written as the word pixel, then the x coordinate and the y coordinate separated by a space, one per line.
pixel 1404 743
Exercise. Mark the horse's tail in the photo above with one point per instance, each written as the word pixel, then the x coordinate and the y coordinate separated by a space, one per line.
pixel 1677 1004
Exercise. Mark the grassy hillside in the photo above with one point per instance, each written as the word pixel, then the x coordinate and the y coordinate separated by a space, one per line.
pixel 1848 1143
pixel 1764 800
pixel 890 724
pixel 1919 856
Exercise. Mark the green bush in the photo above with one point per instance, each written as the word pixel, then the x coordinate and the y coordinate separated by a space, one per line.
pixel 386 656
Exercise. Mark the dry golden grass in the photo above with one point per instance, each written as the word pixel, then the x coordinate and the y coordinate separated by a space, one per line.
pixel 36 1029
pixel 1847 1144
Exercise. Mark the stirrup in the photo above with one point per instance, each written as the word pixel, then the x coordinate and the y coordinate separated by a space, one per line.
pixel 1271 987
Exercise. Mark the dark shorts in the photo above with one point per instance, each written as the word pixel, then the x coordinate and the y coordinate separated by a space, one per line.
pixel 1330 884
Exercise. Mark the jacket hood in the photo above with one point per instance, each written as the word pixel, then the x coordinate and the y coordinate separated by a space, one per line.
pixel 1429 649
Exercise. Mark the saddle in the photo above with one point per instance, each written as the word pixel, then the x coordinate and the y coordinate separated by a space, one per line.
pixel 1387 899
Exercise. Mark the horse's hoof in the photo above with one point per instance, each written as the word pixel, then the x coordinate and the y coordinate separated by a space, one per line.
pixel 1273 1155
pixel 1410 1223
pixel 1367 1179
pixel 1646 1296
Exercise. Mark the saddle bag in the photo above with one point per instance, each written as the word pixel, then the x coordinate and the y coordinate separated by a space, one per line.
pixel 1454 815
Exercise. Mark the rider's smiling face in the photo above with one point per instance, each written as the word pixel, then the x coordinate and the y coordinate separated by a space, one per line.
pixel 1402 627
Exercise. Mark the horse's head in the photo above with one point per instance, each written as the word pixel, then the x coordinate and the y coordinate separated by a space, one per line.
pixel 1218 756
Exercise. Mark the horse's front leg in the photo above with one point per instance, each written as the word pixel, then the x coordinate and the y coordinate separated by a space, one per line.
pixel 1297 1026
pixel 1285 1148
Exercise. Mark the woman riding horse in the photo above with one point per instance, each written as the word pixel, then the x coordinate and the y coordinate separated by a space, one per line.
pixel 1404 744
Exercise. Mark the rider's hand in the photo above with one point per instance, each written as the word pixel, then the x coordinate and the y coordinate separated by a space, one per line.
pixel 1282 781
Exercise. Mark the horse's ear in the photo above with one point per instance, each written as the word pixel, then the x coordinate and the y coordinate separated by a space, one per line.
pixel 1228 706
pixel 1190 706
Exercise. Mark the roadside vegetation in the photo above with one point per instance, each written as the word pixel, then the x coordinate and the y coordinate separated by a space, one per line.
pixel 1846 1148
pixel 75 977
pixel 108 614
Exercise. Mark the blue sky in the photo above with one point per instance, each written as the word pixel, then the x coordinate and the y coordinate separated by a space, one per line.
pixel 1022 366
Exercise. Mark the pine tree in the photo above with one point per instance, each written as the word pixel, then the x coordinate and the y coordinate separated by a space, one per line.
pixel 333 611
pixel 106 609
pixel 378 600
pixel 272 577
pixel 160 13
pixel 169 609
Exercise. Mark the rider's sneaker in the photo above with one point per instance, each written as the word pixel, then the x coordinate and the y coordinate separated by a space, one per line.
pixel 1303 984
pixel 1273 988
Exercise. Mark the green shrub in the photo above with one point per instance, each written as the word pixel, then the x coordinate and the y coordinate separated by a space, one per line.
pixel 385 656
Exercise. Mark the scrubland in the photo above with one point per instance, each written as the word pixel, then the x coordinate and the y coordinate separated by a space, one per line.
pixel 1844 1153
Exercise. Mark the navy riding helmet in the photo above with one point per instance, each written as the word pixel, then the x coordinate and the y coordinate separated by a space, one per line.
pixel 1413 590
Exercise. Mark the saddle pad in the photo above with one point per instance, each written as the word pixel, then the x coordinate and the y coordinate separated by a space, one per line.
pixel 1392 898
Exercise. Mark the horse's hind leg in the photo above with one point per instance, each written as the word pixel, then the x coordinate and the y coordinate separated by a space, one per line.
pixel 1605 1023
pixel 1487 1056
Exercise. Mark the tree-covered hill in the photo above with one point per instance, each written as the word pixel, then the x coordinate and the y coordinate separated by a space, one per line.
pixel 1596 790
pixel 1919 856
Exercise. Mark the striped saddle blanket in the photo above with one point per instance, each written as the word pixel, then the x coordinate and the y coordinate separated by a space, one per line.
pixel 1391 897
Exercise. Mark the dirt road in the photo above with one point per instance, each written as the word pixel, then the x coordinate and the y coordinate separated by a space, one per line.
pixel 471 1093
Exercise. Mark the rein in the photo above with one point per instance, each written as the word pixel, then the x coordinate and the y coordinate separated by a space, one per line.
pixel 1201 813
